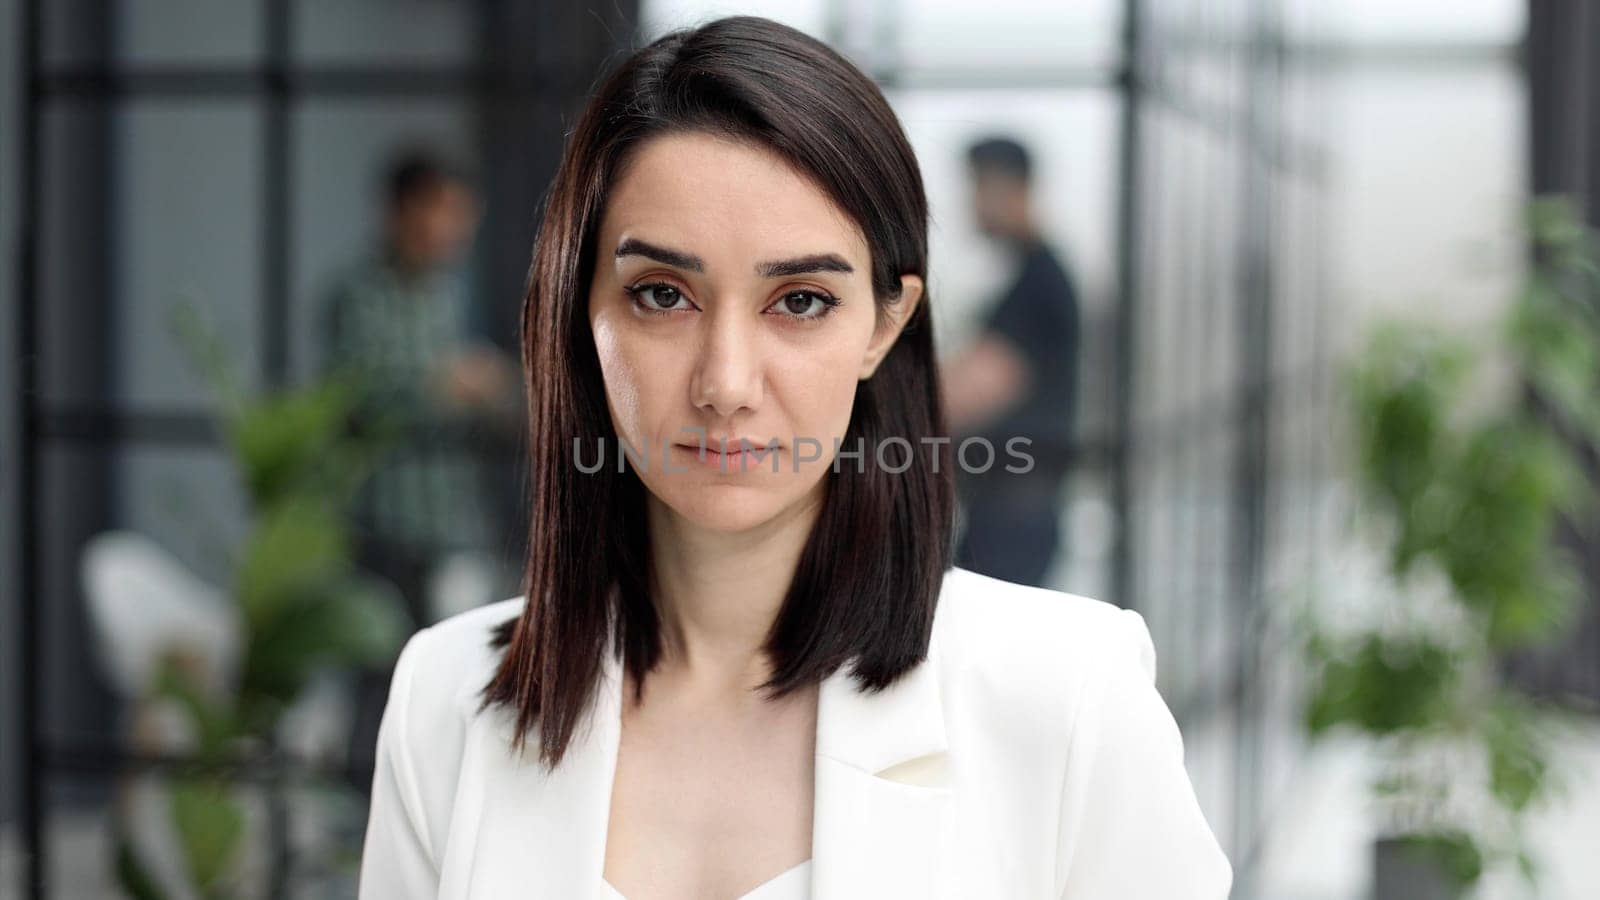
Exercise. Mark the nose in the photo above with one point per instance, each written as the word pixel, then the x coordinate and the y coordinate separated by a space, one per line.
pixel 728 371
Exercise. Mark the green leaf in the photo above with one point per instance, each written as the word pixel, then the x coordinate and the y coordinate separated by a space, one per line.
pixel 1383 685
pixel 299 441
pixel 1555 223
pixel 1528 867
pixel 296 548
pixel 354 620
pixel 1518 755
pixel 210 826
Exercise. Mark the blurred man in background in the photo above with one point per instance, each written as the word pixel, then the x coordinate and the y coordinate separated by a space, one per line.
pixel 400 320
pixel 1018 379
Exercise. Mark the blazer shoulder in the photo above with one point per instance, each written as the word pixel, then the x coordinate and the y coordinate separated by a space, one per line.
pixel 1036 647
pixel 421 745
pixel 978 614
pixel 471 628
pixel 450 661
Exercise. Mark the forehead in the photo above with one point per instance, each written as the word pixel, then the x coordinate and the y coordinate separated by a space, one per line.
pixel 726 199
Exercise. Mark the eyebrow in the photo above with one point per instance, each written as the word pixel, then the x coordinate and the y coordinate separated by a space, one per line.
pixel 800 265
pixel 782 268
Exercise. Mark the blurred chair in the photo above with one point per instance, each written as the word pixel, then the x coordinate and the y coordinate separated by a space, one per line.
pixel 143 604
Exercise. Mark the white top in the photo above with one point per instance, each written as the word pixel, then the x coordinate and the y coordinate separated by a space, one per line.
pixel 1029 754
pixel 794 884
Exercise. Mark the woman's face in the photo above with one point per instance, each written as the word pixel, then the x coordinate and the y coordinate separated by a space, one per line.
pixel 732 299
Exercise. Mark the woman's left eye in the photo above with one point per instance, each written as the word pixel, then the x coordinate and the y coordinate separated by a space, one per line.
pixel 806 304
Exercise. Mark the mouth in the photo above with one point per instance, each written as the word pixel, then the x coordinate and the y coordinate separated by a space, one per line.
pixel 742 455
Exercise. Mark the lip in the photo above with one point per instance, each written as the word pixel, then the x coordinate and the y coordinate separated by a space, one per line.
pixel 713 441
pixel 752 454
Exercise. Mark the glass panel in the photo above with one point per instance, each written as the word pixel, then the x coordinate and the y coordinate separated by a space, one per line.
pixel 1448 251
pixel 1006 34
pixel 188 227
pixel 193 32
pixel 1424 22
pixel 414 32
pixel 159 32
pixel 78 842
pixel 659 16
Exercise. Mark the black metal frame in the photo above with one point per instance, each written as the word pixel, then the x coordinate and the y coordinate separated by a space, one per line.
pixel 28 383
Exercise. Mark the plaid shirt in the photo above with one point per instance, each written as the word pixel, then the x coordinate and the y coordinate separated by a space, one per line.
pixel 394 331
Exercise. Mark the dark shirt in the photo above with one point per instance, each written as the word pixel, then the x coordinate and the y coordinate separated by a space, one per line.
pixel 1038 314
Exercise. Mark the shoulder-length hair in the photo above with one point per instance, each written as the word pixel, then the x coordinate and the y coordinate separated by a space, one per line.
pixel 868 579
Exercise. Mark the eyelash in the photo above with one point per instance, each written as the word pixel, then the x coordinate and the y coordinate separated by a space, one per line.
pixel 829 301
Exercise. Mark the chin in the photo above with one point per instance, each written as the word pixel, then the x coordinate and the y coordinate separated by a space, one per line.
pixel 722 507
pixel 728 507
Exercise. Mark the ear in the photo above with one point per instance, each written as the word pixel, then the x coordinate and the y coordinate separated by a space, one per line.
pixel 891 320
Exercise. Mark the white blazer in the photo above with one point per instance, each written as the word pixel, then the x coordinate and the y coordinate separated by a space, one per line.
pixel 1030 756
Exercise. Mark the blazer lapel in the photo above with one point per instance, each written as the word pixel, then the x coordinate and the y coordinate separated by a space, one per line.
pixel 882 803
pixel 540 834
pixel 881 809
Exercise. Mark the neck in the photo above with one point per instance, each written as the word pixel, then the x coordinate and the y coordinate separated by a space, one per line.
pixel 718 592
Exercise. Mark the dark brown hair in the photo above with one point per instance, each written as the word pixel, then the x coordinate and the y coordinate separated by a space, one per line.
pixel 868 579
pixel 417 169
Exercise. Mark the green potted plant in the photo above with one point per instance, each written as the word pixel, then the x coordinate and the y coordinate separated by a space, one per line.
pixel 302 605
pixel 1461 489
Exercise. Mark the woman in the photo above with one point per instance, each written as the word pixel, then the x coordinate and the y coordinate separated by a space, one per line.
pixel 744 659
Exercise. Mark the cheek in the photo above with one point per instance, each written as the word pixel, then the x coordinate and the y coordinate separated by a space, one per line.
pixel 626 373
pixel 821 389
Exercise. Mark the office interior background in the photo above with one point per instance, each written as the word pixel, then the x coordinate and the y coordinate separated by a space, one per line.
pixel 1244 190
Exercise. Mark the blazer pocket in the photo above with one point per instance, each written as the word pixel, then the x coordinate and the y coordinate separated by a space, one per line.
pixel 928 770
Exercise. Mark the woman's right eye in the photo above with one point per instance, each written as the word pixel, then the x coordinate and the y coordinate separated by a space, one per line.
pixel 655 297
